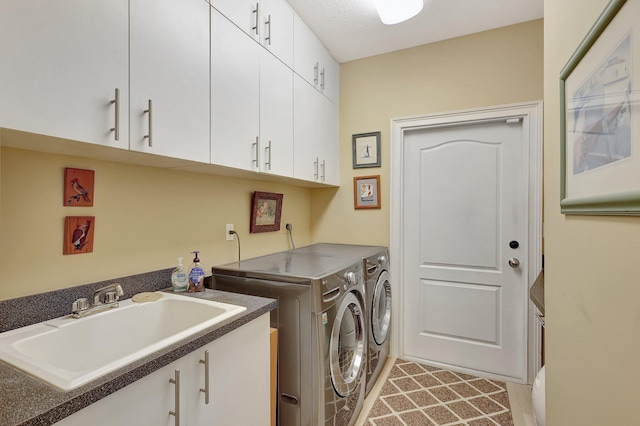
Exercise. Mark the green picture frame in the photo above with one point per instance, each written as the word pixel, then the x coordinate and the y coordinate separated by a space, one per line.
pixel 599 151
pixel 366 150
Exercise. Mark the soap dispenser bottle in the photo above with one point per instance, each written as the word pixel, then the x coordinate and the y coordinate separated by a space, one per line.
pixel 196 275
pixel 179 278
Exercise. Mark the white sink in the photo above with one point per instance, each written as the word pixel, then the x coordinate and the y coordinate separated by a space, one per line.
pixel 67 352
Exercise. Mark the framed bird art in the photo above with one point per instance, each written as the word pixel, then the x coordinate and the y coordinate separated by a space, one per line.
pixel 78 187
pixel 78 234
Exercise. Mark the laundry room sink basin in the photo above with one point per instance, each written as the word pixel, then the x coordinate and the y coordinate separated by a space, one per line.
pixel 67 352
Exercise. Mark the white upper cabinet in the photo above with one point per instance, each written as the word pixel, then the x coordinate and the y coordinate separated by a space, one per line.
pixel 312 61
pixel 170 78
pixel 315 130
pixel 328 143
pixel 276 116
pixel 235 87
pixel 62 62
pixel 277 31
pixel 243 13
pixel 305 130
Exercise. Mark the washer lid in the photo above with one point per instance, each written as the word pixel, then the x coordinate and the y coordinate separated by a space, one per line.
pixel 286 266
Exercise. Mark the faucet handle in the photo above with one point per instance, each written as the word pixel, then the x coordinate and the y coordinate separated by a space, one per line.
pixel 118 290
pixel 81 304
pixel 110 297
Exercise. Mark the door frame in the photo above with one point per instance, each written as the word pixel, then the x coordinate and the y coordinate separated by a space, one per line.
pixel 532 116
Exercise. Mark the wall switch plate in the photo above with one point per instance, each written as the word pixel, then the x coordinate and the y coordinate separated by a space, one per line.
pixel 228 235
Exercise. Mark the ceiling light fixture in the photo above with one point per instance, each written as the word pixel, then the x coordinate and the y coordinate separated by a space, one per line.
pixel 396 11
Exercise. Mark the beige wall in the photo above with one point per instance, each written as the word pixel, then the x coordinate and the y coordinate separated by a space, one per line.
pixel 592 296
pixel 145 218
pixel 491 68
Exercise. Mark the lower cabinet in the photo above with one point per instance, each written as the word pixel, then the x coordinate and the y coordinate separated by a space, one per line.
pixel 226 382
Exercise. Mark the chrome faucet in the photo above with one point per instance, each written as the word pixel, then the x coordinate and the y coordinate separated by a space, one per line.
pixel 103 298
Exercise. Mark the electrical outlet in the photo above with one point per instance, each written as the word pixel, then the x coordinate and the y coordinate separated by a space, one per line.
pixel 228 235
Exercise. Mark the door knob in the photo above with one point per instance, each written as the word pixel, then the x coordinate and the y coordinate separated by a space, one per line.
pixel 514 263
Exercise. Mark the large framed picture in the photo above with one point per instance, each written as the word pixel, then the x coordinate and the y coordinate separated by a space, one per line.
pixel 366 150
pixel 266 211
pixel 366 192
pixel 600 117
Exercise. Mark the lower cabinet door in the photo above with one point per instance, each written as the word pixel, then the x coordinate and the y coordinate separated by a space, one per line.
pixel 146 402
pixel 239 378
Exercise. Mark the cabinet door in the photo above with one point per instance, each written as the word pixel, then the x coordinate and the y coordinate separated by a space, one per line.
pixel 61 64
pixel 276 116
pixel 305 130
pixel 305 52
pixel 170 68
pixel 277 32
pixel 243 13
pixel 235 88
pixel 329 76
pixel 146 402
pixel 328 143
pixel 239 378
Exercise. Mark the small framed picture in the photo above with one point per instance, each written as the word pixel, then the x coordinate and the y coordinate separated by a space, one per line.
pixel 78 187
pixel 366 150
pixel 266 210
pixel 78 234
pixel 366 192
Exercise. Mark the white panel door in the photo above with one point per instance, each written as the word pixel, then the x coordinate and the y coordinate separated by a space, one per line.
pixel 276 116
pixel 243 13
pixel 305 130
pixel 465 191
pixel 235 104
pixel 170 67
pixel 61 63
pixel 277 33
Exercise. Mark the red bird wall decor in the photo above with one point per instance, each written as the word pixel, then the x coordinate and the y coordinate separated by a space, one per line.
pixel 78 187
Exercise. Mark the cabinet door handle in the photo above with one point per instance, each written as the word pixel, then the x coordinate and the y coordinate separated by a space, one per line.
pixel 315 165
pixel 116 125
pixel 176 413
pixel 268 37
pixel 322 79
pixel 323 168
pixel 257 12
pixel 149 111
pixel 205 361
pixel 315 74
pixel 268 162
pixel 256 160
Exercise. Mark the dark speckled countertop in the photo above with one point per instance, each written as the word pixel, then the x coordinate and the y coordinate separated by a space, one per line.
pixel 25 400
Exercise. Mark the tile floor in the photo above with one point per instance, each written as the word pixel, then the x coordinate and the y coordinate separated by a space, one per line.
pixel 412 394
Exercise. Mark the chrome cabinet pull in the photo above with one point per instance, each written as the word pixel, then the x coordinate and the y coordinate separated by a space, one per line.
pixel 322 79
pixel 257 12
pixel 116 125
pixel 268 162
pixel 323 168
pixel 315 165
pixel 256 160
pixel 205 361
pixel 315 74
pixel 268 37
pixel 149 136
pixel 176 413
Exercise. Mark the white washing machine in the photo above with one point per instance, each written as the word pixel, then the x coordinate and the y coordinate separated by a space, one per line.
pixel 322 334
pixel 378 298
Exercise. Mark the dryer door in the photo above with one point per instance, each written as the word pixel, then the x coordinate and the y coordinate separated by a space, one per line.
pixel 346 346
pixel 381 308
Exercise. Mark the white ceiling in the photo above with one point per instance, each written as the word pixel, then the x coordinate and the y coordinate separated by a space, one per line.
pixel 351 29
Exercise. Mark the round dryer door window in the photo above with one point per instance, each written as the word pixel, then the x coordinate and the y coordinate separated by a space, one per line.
pixel 381 309
pixel 346 346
